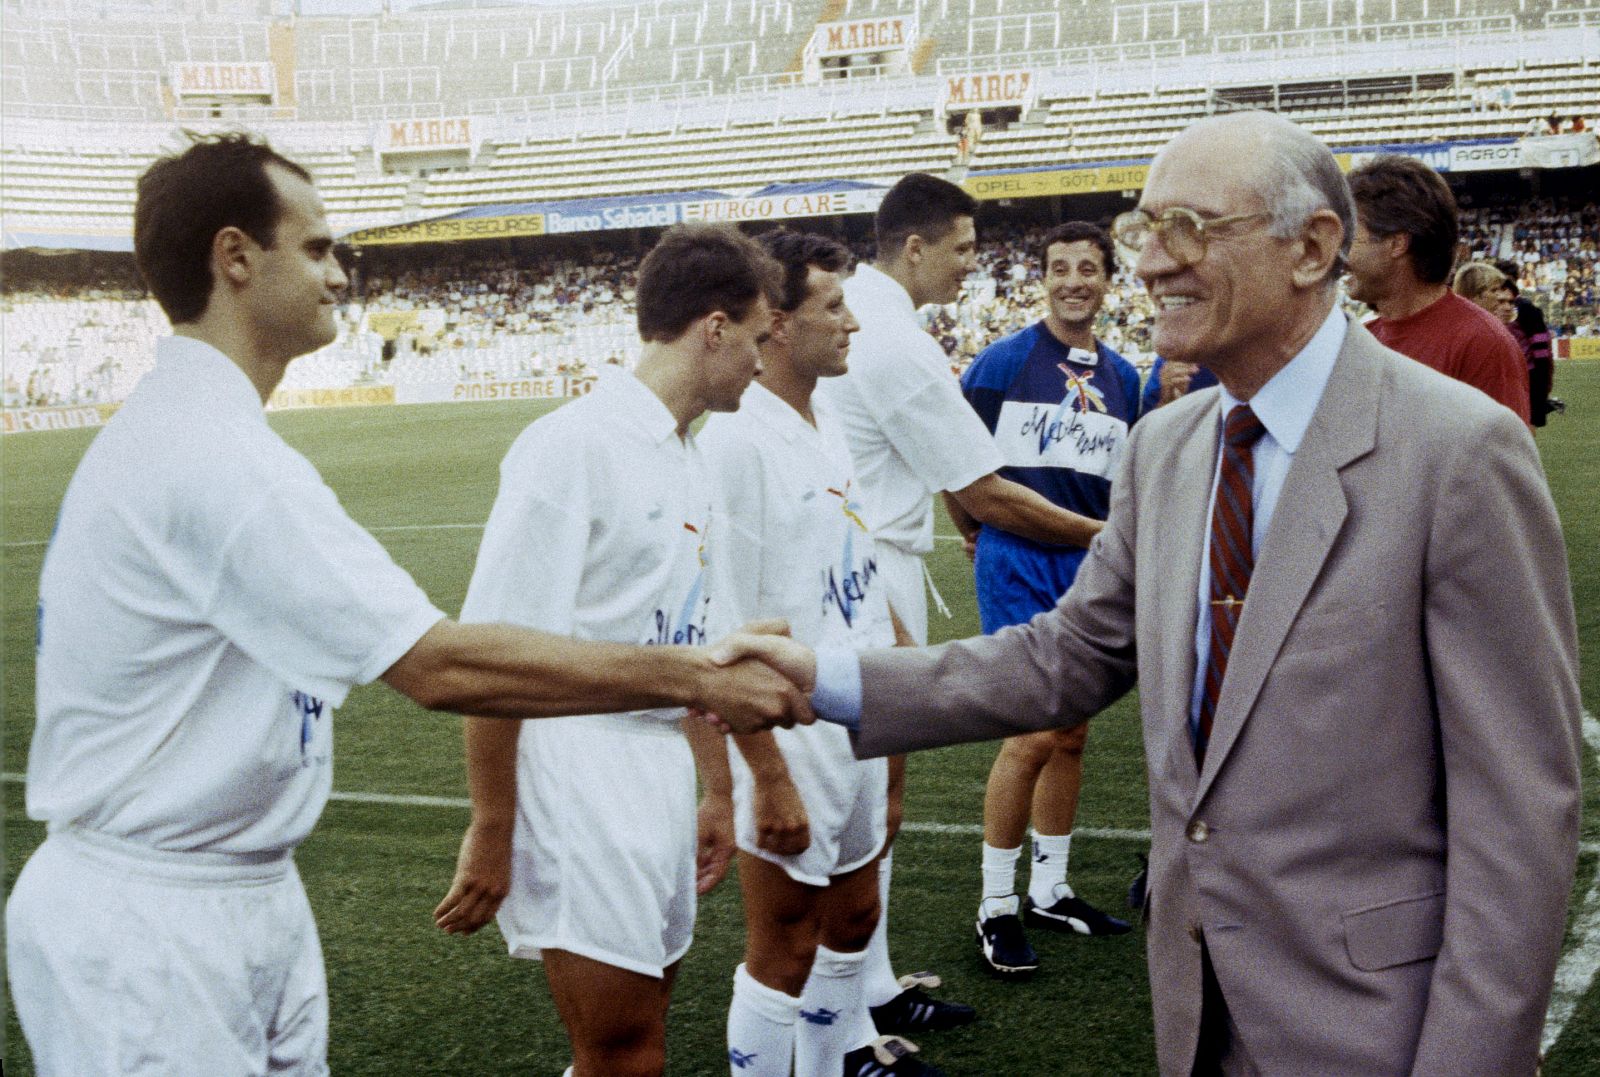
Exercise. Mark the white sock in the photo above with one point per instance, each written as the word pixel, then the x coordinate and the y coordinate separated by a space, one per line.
pixel 999 881
pixel 878 981
pixel 833 1014
pixel 1050 852
pixel 760 1028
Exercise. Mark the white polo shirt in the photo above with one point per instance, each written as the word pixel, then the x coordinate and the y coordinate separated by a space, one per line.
pixel 797 540
pixel 910 431
pixel 205 603
pixel 601 527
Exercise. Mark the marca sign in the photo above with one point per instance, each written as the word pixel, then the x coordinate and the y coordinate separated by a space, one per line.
pixel 425 136
pixel 993 89
pixel 863 35
pixel 222 80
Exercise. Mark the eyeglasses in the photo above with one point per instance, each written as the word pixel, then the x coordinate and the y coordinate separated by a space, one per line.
pixel 1183 231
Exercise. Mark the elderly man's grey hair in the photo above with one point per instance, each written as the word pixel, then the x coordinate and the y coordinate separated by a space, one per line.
pixel 1299 176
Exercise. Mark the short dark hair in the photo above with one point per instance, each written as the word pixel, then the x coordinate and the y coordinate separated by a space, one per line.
pixel 920 205
pixel 697 269
pixel 1397 195
pixel 1512 271
pixel 185 199
pixel 796 253
pixel 1074 232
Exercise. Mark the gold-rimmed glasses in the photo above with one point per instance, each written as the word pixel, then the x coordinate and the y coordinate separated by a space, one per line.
pixel 1183 231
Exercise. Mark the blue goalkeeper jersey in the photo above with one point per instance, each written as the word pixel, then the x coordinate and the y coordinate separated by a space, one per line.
pixel 1061 418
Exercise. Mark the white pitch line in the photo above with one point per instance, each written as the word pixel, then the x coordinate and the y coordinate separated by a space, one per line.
pixel 1576 969
pixel 412 800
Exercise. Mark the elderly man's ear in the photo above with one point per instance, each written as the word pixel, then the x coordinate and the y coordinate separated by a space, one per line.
pixel 1319 247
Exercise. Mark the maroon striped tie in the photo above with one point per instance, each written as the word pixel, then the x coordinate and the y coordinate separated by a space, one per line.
pixel 1232 520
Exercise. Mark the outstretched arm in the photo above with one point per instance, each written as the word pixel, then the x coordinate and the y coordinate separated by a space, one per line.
pixel 503 671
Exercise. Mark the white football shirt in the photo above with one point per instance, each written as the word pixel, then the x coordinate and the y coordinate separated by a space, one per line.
pixel 797 544
pixel 910 430
pixel 601 528
pixel 205 603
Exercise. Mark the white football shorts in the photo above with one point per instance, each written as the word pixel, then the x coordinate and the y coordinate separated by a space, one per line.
pixel 131 961
pixel 846 801
pixel 603 857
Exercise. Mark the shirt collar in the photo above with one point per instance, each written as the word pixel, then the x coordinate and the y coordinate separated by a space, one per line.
pixel 885 289
pixel 650 416
pixel 1286 403
pixel 206 368
pixel 773 412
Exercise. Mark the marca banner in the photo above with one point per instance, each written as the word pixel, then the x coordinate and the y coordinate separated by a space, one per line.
pixel 550 387
pixel 778 206
pixel 991 89
pixel 524 224
pixel 22 420
pixel 191 79
pixel 347 397
pixel 424 136
pixel 1088 180
pixel 863 35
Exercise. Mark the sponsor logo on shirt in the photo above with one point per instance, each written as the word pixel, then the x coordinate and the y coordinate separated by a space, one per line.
pixel 845 588
pixel 311 711
pixel 1079 433
pixel 688 628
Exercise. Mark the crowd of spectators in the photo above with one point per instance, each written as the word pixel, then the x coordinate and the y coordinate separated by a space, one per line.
pixel 81 329
pixel 1555 246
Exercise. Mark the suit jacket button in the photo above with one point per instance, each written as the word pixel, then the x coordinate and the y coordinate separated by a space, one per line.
pixel 1198 831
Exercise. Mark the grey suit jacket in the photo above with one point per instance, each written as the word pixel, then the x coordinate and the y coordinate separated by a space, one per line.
pixel 1379 849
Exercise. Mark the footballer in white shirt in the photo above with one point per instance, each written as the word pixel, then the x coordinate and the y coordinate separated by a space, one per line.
pixel 912 434
pixel 811 819
pixel 205 604
pixel 604 529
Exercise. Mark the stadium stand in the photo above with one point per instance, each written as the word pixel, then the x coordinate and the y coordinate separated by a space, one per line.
pixel 661 97
pixel 461 316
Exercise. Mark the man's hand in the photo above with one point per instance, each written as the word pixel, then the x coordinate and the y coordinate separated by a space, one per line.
pixel 782 826
pixel 794 660
pixel 1175 378
pixel 483 878
pixel 714 842
pixel 748 695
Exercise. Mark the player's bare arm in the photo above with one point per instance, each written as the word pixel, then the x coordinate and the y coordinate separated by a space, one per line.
pixel 714 825
pixel 502 671
pixel 1013 507
pixel 483 867
pixel 782 826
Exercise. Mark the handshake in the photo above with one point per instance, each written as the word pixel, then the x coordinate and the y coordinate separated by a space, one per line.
pixel 755 679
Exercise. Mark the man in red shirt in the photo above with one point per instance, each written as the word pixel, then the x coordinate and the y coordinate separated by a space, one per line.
pixel 1404 248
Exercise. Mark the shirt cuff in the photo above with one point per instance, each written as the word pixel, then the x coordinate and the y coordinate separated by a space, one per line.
pixel 837 696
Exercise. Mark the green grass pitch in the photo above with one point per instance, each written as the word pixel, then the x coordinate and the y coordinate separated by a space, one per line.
pixel 408 1000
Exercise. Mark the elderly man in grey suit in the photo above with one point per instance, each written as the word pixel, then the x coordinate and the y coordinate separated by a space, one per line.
pixel 1340 582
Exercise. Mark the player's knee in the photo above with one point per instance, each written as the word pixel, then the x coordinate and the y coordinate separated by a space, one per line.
pixel 851 928
pixel 1028 753
pixel 1069 742
pixel 626 1049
